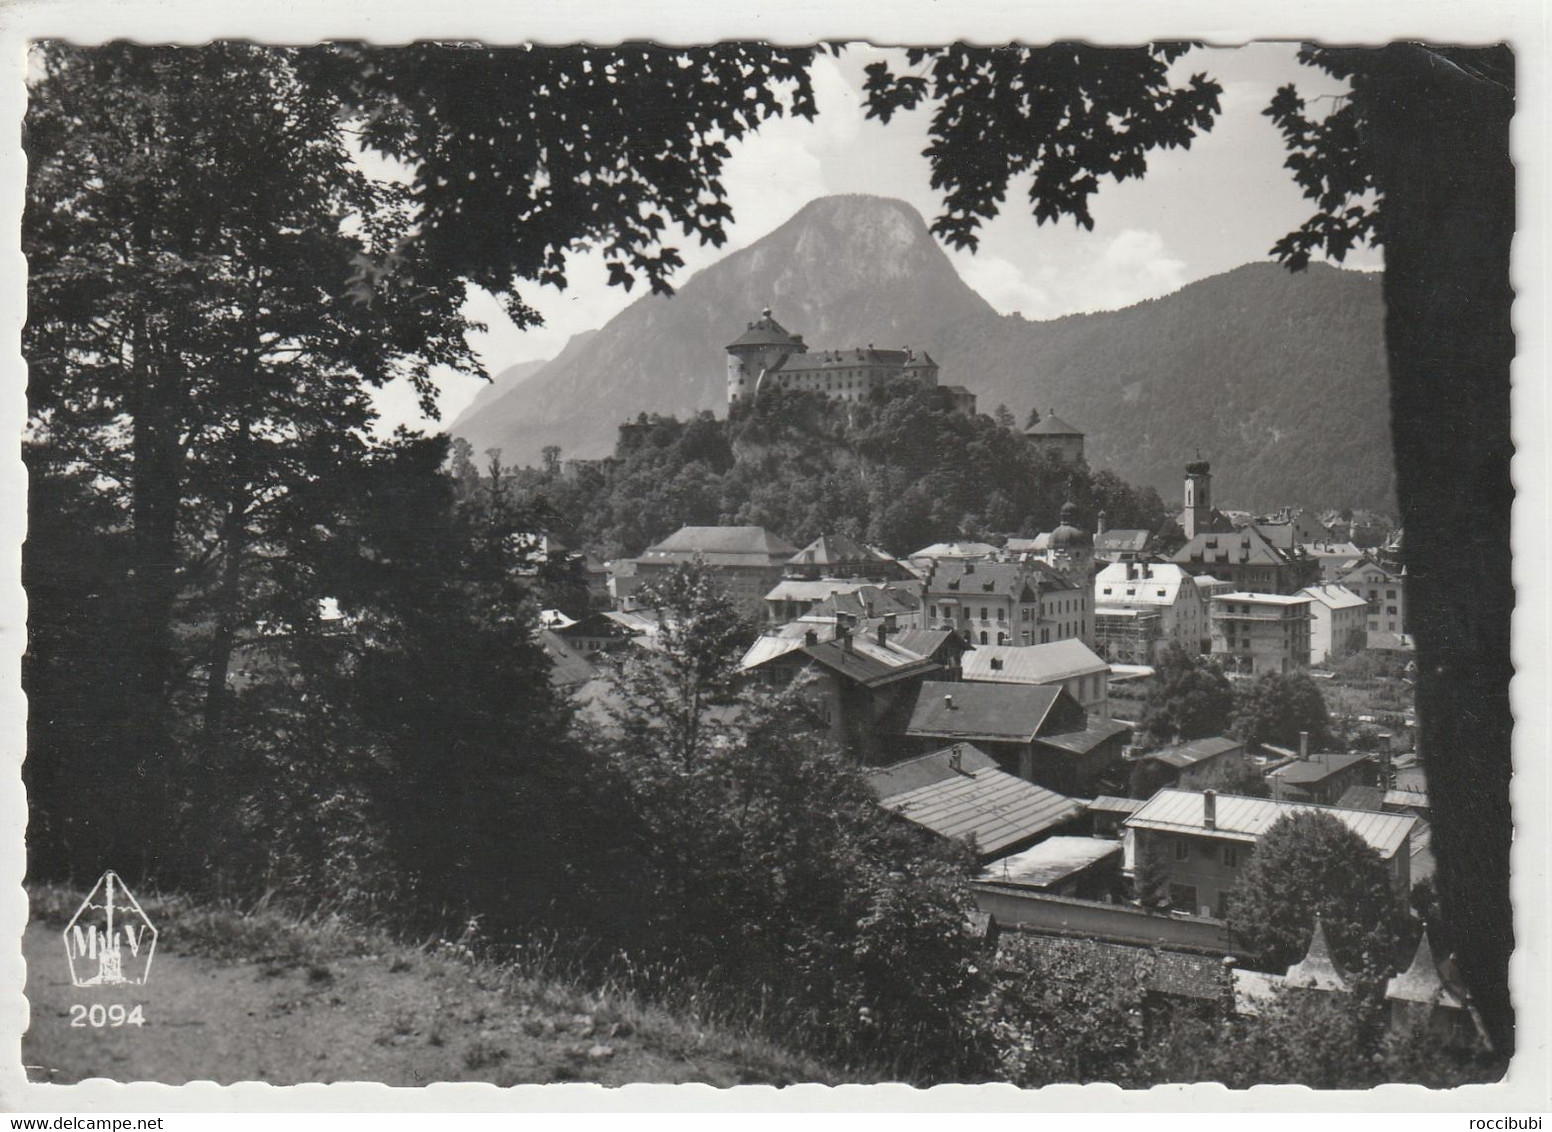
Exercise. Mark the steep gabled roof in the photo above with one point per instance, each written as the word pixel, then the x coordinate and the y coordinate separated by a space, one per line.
pixel 828 550
pixel 1244 547
pixel 1007 713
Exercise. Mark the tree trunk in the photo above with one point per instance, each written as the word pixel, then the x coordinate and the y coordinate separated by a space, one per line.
pixel 155 493
pixel 1440 143
pixel 228 601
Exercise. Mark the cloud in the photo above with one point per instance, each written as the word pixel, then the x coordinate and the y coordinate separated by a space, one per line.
pixel 1068 275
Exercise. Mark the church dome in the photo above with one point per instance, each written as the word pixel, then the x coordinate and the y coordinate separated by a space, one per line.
pixel 1069 535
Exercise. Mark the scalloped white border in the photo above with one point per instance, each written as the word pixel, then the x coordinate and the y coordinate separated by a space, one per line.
pixel 1219 22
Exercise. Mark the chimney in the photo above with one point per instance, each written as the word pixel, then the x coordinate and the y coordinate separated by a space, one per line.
pixel 1304 746
pixel 956 758
pixel 996 664
pixel 891 623
pixel 948 701
pixel 1209 809
pixel 883 634
pixel 969 567
pixel 1100 524
pixel 810 637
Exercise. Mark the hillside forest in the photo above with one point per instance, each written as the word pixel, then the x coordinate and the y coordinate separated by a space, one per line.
pixel 899 472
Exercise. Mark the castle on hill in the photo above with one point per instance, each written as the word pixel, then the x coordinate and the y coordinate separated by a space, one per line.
pixel 767 356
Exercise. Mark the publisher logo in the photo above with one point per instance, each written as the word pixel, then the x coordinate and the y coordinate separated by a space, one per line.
pixel 109 941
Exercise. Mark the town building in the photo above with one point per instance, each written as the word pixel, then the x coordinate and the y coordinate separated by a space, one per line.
pixel 1247 559
pixel 1429 997
pixel 1055 438
pixel 794 598
pixel 1141 608
pixel 1083 868
pixel 860 681
pixel 1127 545
pixel 746 561
pixel 959 794
pixel 1199 516
pixel 1069 664
pixel 1068 547
pixel 1384 590
pixel 1322 778
pixel 929 556
pixel 1257 633
pixel 837 556
pixel 1039 733
pixel 1008 603
pixel 1203 841
pixel 1338 625
pixel 594 634
pixel 1187 764
pixel 1291 528
pixel 767 356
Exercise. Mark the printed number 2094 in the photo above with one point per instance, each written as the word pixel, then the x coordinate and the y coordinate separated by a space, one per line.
pixel 98 1015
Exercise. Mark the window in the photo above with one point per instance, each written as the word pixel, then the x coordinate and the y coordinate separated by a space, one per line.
pixel 983 636
pixel 1183 896
pixel 983 613
pixel 1231 856
pixel 1107 589
pixel 934 612
pixel 1002 614
pixel 1182 849
pixel 1390 594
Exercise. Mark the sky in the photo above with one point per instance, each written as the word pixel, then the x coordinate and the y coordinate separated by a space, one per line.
pixel 1196 213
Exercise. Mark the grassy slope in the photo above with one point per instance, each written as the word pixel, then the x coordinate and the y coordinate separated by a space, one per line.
pixel 264 996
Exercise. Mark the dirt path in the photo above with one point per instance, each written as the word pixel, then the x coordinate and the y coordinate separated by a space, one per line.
pixel 408 1020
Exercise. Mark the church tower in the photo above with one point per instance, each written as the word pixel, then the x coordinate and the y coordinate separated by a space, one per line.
pixel 763 345
pixel 1198 513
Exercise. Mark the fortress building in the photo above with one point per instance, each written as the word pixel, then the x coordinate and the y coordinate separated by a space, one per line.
pixel 766 356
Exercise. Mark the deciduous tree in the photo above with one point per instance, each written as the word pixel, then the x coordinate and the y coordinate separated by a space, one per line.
pixel 1310 864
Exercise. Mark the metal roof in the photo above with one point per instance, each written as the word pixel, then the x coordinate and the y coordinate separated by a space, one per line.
pixel 1333 596
pixel 991 806
pixel 925 770
pixel 863 659
pixel 1246 819
pixel 799 589
pixel 955 550
pixel 1032 664
pixel 1051 861
pixel 1110 804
